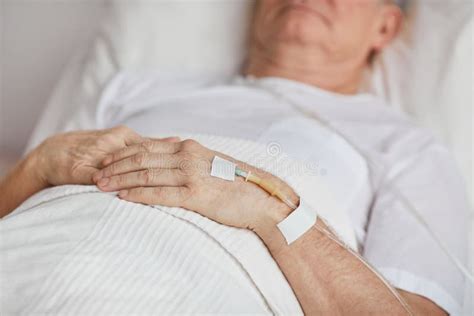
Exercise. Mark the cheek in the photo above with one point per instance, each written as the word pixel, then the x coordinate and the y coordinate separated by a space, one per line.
pixel 352 31
pixel 355 21
pixel 344 46
pixel 356 12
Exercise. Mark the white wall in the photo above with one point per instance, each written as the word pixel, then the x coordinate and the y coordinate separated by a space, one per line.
pixel 37 38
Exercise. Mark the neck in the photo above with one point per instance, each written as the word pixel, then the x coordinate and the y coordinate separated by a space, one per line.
pixel 338 77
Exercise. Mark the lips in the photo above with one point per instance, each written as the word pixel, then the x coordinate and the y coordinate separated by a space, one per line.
pixel 295 5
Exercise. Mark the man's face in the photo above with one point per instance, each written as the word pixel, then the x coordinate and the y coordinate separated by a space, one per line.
pixel 333 27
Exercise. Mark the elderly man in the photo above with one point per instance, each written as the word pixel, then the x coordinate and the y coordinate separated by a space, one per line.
pixel 305 57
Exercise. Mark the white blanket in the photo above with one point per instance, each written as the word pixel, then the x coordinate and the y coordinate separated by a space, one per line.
pixel 75 250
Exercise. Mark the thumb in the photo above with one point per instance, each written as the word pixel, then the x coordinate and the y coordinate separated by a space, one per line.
pixel 129 136
pixel 132 138
pixel 84 175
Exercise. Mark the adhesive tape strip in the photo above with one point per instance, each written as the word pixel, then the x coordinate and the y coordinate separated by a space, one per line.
pixel 298 222
pixel 223 169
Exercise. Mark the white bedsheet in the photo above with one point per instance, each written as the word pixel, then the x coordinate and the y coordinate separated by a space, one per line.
pixel 75 250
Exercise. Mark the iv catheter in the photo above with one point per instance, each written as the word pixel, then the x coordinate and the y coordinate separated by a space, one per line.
pixel 266 185
pixel 273 190
pixel 411 208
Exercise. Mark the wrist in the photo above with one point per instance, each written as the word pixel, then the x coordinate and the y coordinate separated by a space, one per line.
pixel 21 183
pixel 274 212
pixel 34 169
pixel 269 210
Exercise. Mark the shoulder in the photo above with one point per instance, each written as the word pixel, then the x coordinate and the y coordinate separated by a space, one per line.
pixel 392 132
pixel 393 140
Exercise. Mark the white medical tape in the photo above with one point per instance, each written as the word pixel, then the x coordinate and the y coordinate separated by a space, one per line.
pixel 223 169
pixel 298 222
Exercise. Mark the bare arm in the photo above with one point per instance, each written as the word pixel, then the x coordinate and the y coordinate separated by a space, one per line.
pixel 21 182
pixel 328 279
pixel 69 158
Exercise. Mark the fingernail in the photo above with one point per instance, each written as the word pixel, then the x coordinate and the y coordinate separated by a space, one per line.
pixel 104 182
pixel 123 194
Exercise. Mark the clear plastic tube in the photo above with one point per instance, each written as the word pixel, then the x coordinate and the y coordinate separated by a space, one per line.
pixel 266 185
pixel 273 190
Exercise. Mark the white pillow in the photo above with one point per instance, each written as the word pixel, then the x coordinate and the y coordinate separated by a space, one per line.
pixel 202 36
pixel 425 73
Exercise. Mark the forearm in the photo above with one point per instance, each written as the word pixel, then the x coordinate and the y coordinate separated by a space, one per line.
pixel 326 278
pixel 20 183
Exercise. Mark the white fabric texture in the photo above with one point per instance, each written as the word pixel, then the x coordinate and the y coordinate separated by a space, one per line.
pixel 399 154
pixel 152 106
pixel 136 35
pixel 427 73
pixel 95 254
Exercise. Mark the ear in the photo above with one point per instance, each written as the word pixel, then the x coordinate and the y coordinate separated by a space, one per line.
pixel 388 26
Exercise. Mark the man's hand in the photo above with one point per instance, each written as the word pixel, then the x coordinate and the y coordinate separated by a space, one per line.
pixel 72 158
pixel 178 175
pixel 69 158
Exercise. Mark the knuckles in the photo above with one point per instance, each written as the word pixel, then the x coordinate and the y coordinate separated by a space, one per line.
pixel 122 129
pixel 147 146
pixel 139 159
pixel 147 176
pixel 193 157
pixel 104 140
pixel 185 158
pixel 192 165
pixel 190 145
pixel 116 133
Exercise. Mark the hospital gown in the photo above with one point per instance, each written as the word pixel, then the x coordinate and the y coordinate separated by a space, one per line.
pixel 401 156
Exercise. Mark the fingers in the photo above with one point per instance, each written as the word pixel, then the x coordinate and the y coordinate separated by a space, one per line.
pixel 130 137
pixel 166 196
pixel 147 147
pixel 137 162
pixel 173 139
pixel 144 178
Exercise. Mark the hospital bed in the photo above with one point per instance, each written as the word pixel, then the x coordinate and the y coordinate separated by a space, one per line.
pixel 426 73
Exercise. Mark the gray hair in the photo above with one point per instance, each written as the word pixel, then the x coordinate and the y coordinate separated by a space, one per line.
pixel 401 3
